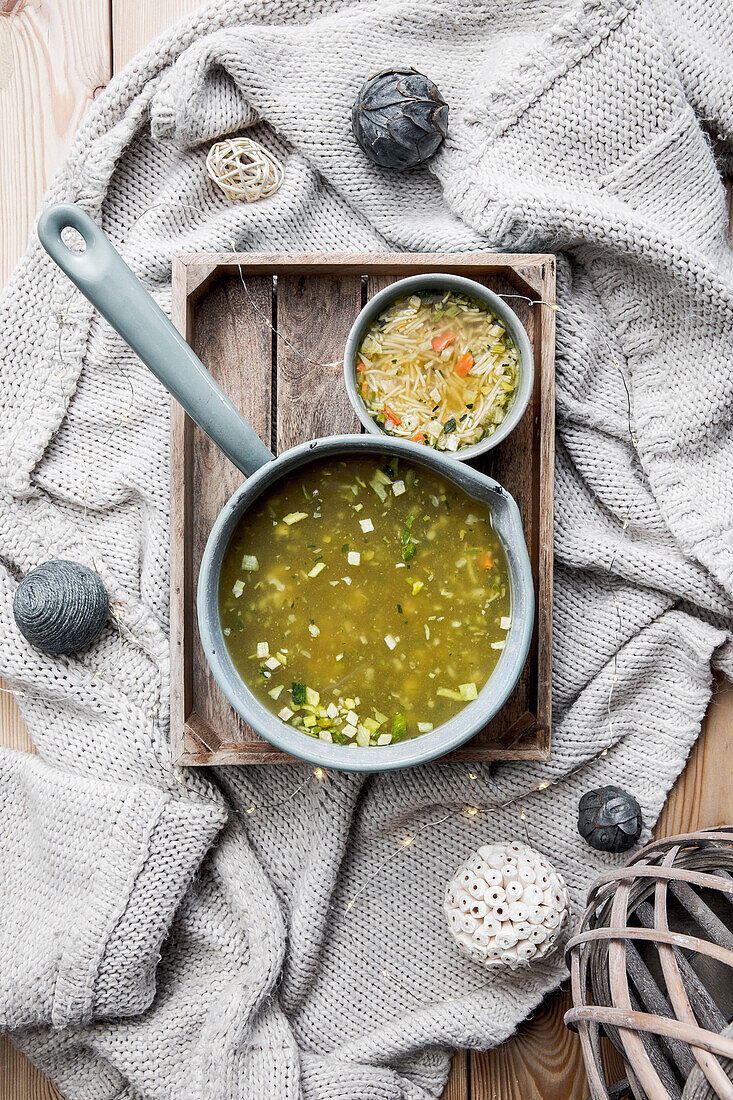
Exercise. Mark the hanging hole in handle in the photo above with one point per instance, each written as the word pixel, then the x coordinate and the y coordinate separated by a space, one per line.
pixel 73 240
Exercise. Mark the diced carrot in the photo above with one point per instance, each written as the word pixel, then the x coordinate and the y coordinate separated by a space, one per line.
pixel 440 343
pixel 393 416
pixel 364 389
pixel 486 561
pixel 359 367
pixel 464 364
pixel 418 437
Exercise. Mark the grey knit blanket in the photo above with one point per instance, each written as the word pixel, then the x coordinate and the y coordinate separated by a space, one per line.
pixel 156 940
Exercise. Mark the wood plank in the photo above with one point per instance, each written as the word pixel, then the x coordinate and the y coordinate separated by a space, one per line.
pixel 181 504
pixel 508 465
pixel 379 262
pixel 134 24
pixel 533 268
pixel 311 396
pixel 19 1079
pixel 542 1060
pixel 458 1085
pixel 13 731
pixel 703 794
pixel 53 57
pixel 232 334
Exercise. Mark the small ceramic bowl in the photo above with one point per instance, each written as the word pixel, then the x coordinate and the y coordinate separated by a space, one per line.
pixel 437 282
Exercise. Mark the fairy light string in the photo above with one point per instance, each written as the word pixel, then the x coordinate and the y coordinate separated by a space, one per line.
pixel 471 810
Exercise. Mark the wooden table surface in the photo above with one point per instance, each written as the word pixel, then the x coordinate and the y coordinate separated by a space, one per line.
pixel 54 56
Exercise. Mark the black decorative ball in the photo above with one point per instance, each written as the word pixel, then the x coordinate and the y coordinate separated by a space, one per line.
pixel 399 118
pixel 61 606
pixel 609 818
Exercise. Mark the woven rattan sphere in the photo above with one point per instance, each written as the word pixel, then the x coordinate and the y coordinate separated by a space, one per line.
pixel 698 1087
pixel 652 969
pixel 244 169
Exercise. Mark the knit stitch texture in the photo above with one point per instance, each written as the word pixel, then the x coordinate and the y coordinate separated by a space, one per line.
pixel 156 941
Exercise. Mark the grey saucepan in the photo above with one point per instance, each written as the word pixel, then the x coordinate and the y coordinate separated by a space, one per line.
pixel 103 277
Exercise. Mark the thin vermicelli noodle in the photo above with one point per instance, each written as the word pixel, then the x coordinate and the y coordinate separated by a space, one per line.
pixel 439 368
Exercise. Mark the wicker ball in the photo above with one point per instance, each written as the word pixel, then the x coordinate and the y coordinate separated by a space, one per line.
pixel 610 819
pixel 399 118
pixel 61 607
pixel 651 969
pixel 506 905
pixel 697 1086
pixel 243 169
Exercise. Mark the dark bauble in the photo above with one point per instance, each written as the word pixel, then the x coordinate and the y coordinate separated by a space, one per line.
pixel 399 118
pixel 61 607
pixel 610 819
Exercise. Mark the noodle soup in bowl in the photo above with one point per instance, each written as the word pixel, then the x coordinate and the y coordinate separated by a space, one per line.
pixel 442 361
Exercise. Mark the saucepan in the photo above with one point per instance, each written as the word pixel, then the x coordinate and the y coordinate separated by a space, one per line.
pixel 102 276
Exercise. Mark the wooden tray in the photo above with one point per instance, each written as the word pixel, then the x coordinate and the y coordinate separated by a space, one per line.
pixel 224 305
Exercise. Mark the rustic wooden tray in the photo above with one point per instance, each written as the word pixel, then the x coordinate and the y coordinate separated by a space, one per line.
pixel 224 305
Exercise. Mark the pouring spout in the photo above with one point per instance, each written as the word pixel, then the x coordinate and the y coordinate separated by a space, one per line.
pixel 104 278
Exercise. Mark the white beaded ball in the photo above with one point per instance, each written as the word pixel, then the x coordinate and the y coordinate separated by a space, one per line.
pixel 506 905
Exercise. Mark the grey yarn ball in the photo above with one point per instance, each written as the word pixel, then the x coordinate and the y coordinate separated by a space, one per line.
pixel 61 607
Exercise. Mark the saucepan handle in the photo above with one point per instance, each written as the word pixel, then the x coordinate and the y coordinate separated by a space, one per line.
pixel 104 278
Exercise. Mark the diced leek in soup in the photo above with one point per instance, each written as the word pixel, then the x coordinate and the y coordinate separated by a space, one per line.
pixel 365 600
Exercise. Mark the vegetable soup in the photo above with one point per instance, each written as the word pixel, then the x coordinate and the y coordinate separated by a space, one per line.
pixel 438 368
pixel 365 600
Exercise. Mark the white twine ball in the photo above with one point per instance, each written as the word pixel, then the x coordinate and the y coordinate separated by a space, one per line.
pixel 506 905
pixel 244 169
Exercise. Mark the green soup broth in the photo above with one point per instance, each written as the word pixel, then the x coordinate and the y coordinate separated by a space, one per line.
pixel 365 600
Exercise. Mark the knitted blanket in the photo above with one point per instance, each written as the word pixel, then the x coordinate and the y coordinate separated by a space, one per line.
pixel 156 939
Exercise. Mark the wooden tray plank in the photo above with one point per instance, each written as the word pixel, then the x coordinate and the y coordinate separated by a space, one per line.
pixel 234 341
pixel 507 464
pixel 529 268
pixel 311 396
pixel 223 305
